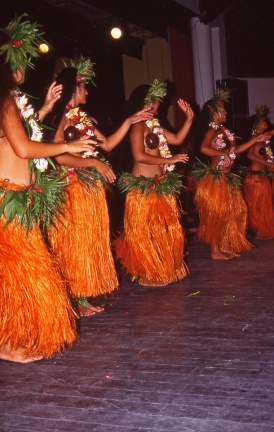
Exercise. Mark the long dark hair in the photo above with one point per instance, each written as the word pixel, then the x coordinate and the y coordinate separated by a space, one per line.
pixel 7 81
pixel 67 77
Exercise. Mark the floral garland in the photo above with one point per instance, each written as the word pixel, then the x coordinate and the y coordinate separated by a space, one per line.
pixel 268 152
pixel 40 202
pixel 33 127
pixel 220 142
pixel 155 128
pixel 85 126
pixel 203 169
pixel 166 184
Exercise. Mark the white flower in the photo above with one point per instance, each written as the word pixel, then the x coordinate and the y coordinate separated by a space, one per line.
pixel 27 112
pixel 41 164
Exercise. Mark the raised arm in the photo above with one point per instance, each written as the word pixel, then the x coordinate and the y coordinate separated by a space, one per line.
pixel 179 137
pixel 52 96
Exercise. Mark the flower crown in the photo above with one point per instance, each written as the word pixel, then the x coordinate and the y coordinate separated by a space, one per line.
pixel 157 91
pixel 23 45
pixel 261 113
pixel 221 96
pixel 85 71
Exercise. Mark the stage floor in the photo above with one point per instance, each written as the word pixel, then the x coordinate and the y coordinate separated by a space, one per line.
pixel 194 356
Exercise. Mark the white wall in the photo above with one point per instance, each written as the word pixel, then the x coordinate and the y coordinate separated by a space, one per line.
pixel 261 92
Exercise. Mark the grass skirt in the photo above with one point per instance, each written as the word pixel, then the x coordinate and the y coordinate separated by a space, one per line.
pixel 257 193
pixel 35 311
pixel 151 247
pixel 222 213
pixel 81 241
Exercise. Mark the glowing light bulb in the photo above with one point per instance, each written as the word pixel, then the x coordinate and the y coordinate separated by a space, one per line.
pixel 116 32
pixel 43 48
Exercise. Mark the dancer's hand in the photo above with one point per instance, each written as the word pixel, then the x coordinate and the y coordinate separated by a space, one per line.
pixel 144 114
pixel 80 146
pixel 185 107
pixel 180 157
pixel 52 96
pixel 105 170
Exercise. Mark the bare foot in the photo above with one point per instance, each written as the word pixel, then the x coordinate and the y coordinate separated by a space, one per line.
pixel 17 356
pixel 222 255
pixel 89 309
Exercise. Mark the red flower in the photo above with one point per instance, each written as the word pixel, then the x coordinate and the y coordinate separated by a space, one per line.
pixel 17 44
pixel 37 188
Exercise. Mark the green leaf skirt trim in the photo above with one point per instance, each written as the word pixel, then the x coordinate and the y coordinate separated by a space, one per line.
pixel 170 183
pixel 38 203
pixel 203 169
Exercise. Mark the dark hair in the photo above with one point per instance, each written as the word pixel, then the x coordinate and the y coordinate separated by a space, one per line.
pixel 136 100
pixel 7 81
pixel 67 77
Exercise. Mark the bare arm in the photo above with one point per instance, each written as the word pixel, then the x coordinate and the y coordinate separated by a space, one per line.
pixel 114 139
pixel 52 96
pixel 26 149
pixel 178 138
pixel 74 161
pixel 141 156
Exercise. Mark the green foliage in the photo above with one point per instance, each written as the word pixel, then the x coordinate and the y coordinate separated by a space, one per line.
pixel 166 184
pixel 203 169
pixel 25 39
pixel 38 203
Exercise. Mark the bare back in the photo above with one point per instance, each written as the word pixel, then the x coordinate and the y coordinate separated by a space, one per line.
pixel 12 167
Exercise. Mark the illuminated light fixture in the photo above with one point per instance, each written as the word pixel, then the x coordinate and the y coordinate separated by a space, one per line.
pixel 116 32
pixel 44 48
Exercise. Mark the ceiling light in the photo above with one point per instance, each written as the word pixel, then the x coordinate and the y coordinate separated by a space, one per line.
pixel 116 32
pixel 44 48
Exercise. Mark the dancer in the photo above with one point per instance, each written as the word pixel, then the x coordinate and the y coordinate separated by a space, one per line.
pixel 151 247
pixel 222 210
pixel 81 240
pixel 257 188
pixel 36 317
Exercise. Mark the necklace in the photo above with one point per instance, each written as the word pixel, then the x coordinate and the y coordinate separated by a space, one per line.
pixel 84 126
pixel 33 127
pixel 224 139
pixel 155 128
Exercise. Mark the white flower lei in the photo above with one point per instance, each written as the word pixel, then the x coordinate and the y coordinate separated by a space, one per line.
pixel 28 115
pixel 155 128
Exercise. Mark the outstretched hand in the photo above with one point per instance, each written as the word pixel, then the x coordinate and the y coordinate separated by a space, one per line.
pixel 186 108
pixel 80 146
pixel 180 157
pixel 144 114
pixel 263 137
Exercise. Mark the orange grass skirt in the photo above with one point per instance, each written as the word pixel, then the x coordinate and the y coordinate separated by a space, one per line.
pixel 257 193
pixel 35 311
pixel 223 214
pixel 81 241
pixel 151 247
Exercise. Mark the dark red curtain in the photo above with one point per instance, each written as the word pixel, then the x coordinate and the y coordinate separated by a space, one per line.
pixel 182 70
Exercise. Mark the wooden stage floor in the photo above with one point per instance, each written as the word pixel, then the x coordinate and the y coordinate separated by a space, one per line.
pixel 195 356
